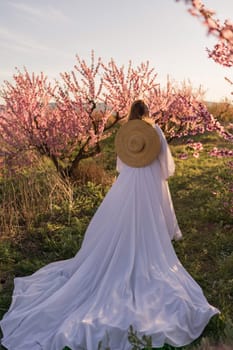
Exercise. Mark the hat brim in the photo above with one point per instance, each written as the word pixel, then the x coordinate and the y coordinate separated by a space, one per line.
pixel 146 134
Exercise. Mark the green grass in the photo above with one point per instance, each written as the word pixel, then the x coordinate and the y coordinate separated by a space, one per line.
pixel 206 250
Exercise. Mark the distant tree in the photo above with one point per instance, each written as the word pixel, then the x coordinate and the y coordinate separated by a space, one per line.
pixel 222 111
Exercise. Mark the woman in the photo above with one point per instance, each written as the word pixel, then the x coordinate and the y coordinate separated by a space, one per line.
pixel 126 272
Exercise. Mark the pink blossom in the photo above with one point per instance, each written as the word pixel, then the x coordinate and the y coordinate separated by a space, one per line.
pixel 183 156
pixel 197 146
pixel 196 155
pixel 222 52
pixel 216 152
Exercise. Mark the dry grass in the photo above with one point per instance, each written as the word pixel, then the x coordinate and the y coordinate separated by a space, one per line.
pixel 90 171
pixel 25 197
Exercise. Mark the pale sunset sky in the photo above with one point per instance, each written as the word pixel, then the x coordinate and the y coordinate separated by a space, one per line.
pixel 45 35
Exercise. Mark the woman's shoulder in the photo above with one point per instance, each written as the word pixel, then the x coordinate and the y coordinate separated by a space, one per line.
pixel 157 128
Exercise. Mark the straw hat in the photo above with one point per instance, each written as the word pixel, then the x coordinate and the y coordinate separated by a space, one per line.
pixel 137 143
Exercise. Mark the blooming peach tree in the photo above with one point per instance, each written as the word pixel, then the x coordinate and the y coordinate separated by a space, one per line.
pixel 27 120
pixel 66 121
pixel 178 109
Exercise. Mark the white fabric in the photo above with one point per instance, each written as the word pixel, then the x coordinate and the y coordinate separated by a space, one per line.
pixel 126 273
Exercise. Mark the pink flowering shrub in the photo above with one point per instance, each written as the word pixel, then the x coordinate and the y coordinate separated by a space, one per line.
pixel 196 147
pixel 223 152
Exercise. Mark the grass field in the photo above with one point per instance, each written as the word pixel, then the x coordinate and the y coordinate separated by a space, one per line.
pixel 44 219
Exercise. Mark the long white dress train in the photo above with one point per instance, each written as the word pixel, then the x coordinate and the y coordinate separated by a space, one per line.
pixel 126 273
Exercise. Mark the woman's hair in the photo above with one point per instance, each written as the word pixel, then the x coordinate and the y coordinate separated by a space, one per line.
pixel 138 110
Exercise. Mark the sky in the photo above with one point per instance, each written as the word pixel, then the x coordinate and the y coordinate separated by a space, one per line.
pixel 46 35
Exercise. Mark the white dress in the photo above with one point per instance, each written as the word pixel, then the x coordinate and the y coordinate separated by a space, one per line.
pixel 126 273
